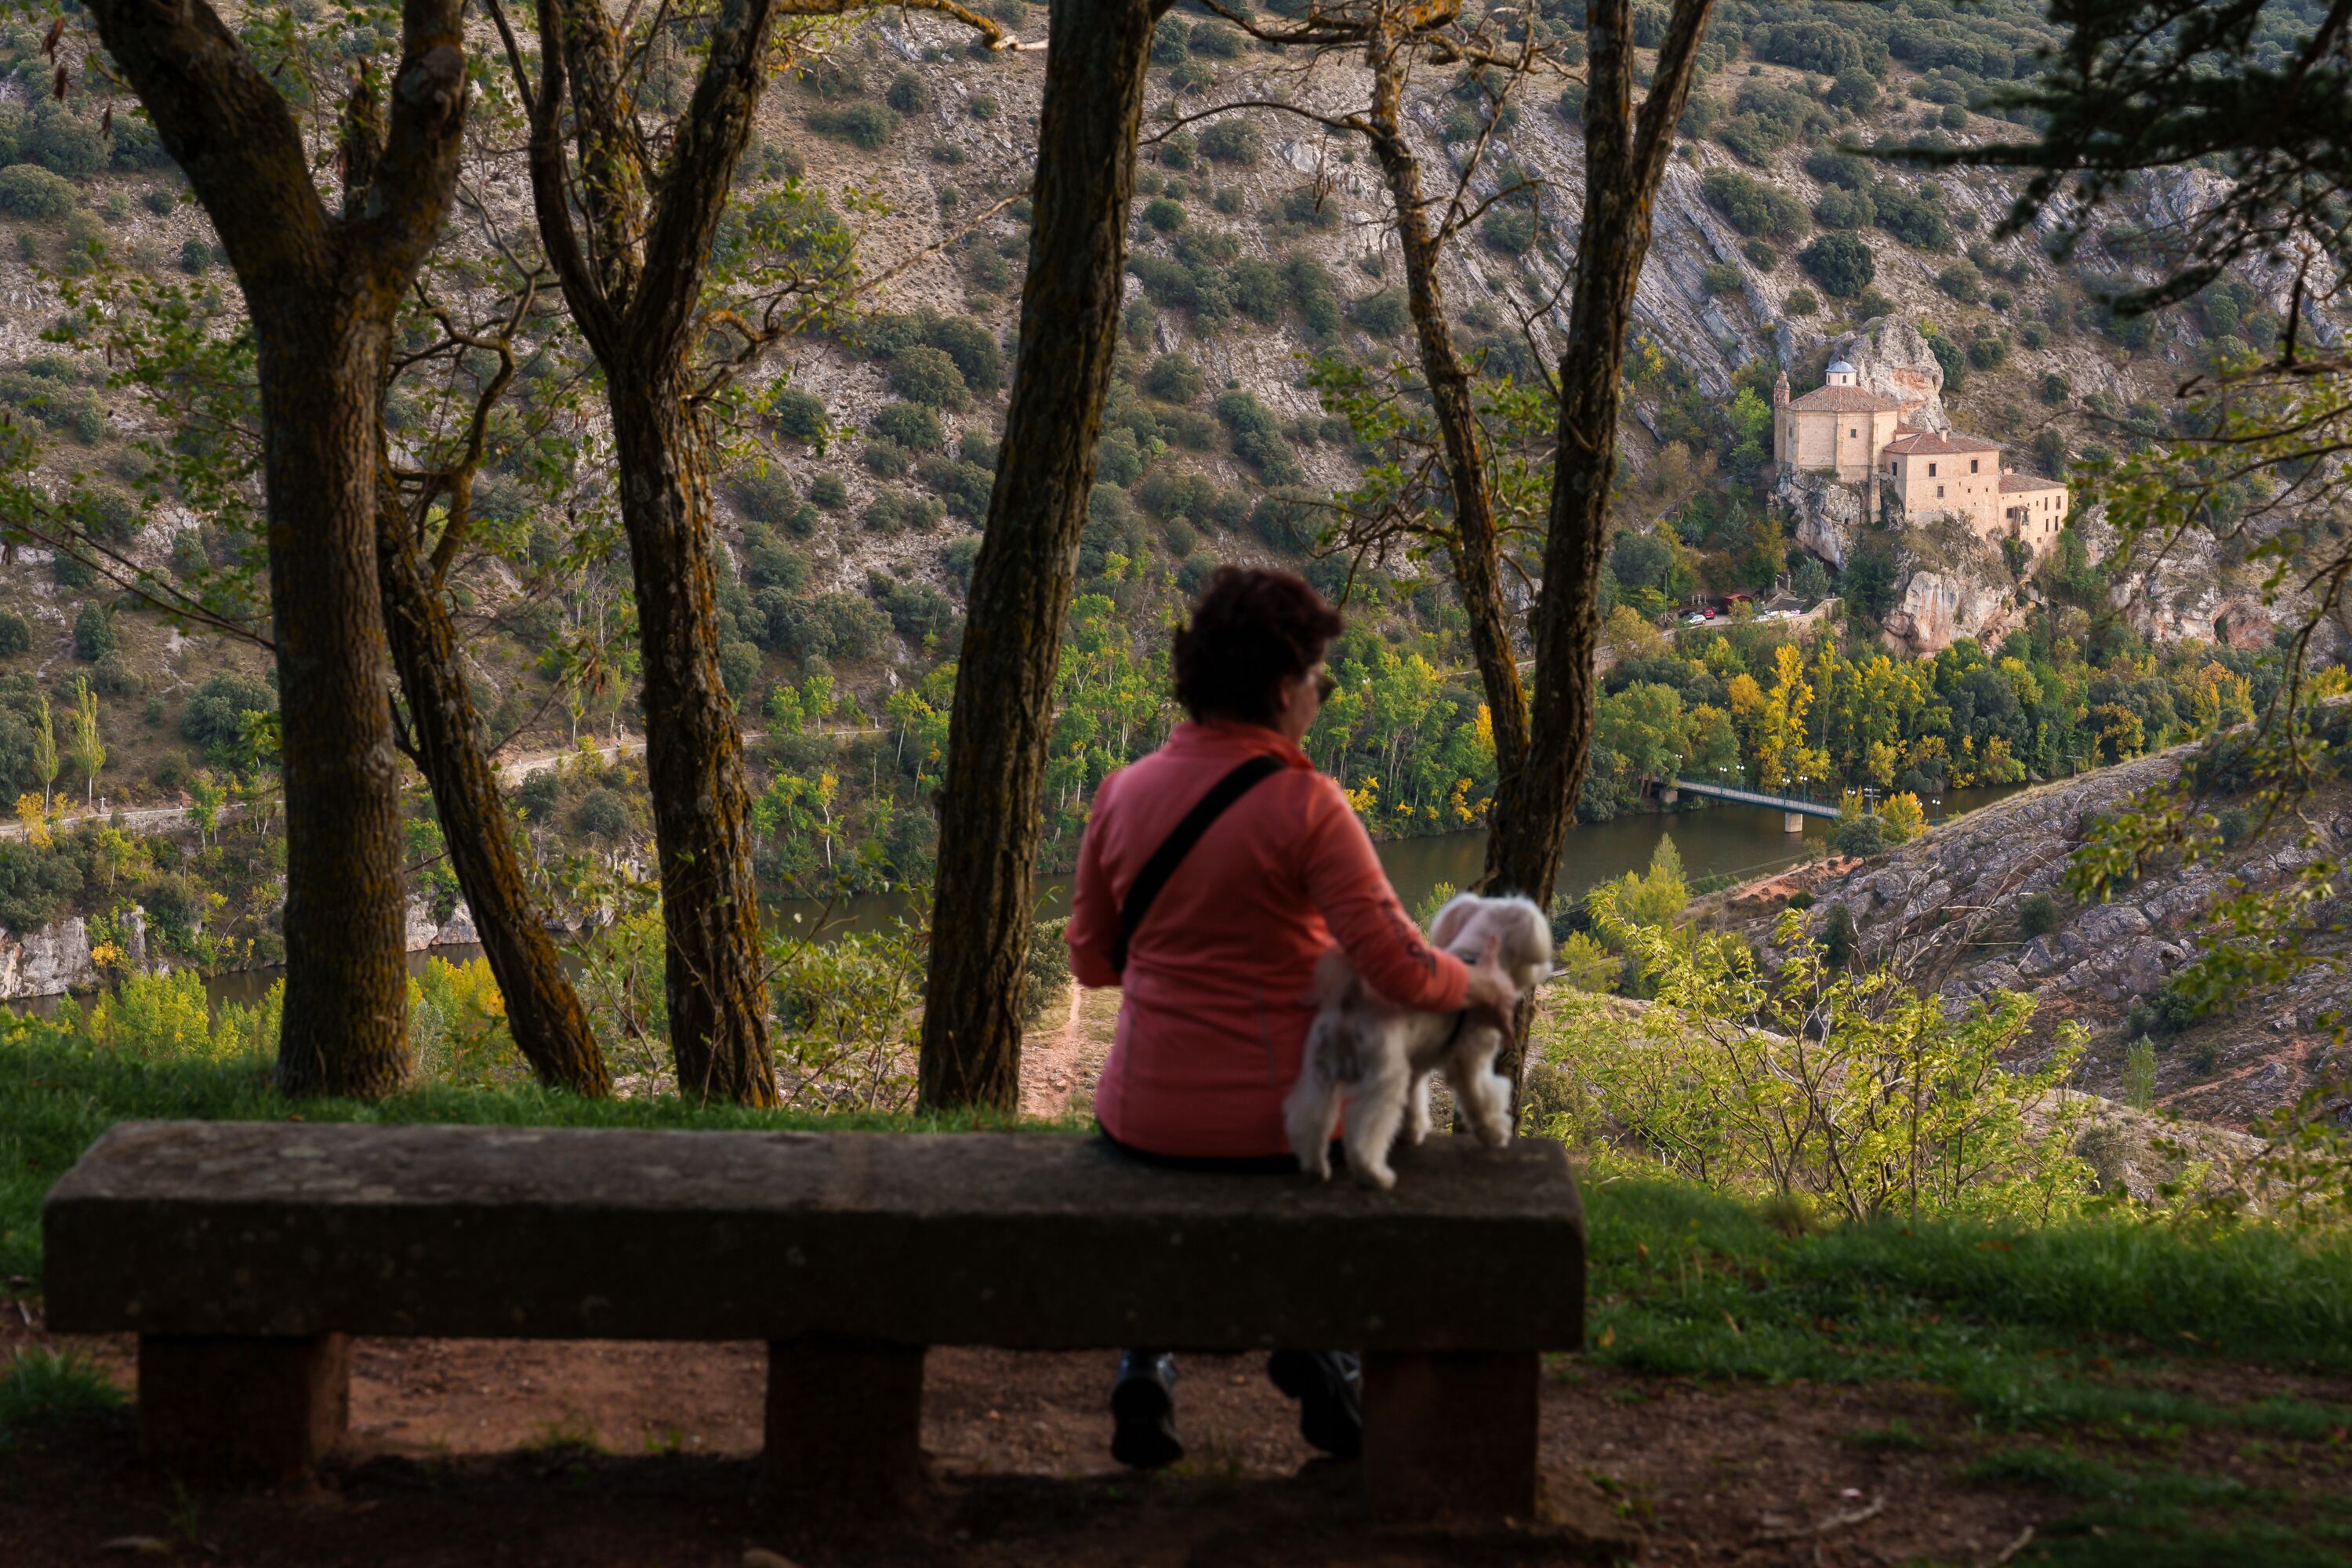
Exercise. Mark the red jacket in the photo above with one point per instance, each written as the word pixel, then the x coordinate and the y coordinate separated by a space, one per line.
pixel 1219 975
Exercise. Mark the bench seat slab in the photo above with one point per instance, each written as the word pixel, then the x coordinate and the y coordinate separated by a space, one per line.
pixel 225 1411
pixel 1026 1242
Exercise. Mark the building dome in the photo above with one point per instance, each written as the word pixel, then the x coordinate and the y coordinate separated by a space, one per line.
pixel 1841 374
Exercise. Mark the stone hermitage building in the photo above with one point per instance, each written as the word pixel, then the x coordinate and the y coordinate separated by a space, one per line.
pixel 1911 475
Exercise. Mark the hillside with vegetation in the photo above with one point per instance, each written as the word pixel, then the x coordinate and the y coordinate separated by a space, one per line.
pixel 856 460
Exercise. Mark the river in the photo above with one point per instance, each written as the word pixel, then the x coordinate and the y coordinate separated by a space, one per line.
pixel 1735 842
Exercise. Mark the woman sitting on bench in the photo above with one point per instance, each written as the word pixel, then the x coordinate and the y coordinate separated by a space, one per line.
pixel 1212 875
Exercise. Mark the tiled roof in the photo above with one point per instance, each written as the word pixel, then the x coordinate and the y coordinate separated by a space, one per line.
pixel 2012 482
pixel 1927 443
pixel 1845 400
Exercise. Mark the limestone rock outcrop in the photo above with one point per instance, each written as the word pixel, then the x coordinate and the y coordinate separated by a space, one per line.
pixel 1890 357
pixel 1947 910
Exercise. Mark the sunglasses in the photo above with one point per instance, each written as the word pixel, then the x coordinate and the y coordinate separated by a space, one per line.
pixel 1325 683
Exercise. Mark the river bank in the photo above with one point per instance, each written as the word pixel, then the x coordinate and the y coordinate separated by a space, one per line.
pixel 1718 843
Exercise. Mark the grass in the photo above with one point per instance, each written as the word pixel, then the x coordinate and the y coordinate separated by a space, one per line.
pixel 2136 1515
pixel 2027 1327
pixel 42 1390
pixel 2080 1330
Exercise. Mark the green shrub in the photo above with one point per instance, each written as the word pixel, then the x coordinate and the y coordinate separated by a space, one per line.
pixel 966 342
pixel 861 124
pixel 1753 207
pixel 1719 278
pixel 1840 263
pixel 1846 209
pixel 1508 231
pixel 1232 140
pixel 1048 974
pixel 883 457
pixel 1312 291
pixel 1163 214
pixel 93 634
pixel 1863 836
pixel 16 633
pixel 800 415
pixel 765 494
pixel 62 141
pixel 982 107
pixel 28 190
pixel 904 93
pixel 603 814
pixel 2038 914
pixel 1257 438
pixel 1916 219
pixel 827 491
pixel 214 715
pixel 195 257
pixel 911 426
pixel 1216 40
pixel 1174 378
pixel 1801 301
pixel 1384 314
pixel 925 374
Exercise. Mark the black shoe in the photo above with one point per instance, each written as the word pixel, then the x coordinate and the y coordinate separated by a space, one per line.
pixel 1329 1388
pixel 1143 1412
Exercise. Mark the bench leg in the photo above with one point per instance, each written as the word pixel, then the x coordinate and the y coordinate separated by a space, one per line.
pixel 844 1422
pixel 234 1411
pixel 1451 1436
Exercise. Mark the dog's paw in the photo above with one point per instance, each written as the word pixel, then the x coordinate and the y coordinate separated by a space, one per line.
pixel 1317 1170
pixel 1378 1177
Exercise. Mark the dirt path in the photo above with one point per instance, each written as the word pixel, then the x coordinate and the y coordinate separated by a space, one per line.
pixel 1060 1062
pixel 478 1451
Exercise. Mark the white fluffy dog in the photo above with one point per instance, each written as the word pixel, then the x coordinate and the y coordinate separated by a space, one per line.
pixel 1374 1060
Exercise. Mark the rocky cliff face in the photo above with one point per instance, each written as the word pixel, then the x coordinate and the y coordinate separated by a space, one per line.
pixel 1949 911
pixel 1947 584
pixel 1891 358
pixel 58 958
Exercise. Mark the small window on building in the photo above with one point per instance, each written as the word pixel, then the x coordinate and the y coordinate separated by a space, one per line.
pixel 1852 433
pixel 1972 465
pixel 1939 489
pixel 1931 474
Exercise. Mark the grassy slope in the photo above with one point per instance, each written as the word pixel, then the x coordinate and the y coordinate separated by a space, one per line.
pixel 2105 1332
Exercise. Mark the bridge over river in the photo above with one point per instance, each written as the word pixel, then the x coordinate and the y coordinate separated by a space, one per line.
pixel 1793 811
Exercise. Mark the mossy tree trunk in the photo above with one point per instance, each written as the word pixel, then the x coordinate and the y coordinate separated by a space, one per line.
pixel 1027 568
pixel 544 1011
pixel 321 289
pixel 1476 549
pixel 1624 159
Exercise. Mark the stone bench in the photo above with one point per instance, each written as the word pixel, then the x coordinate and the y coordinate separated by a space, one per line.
pixel 243 1255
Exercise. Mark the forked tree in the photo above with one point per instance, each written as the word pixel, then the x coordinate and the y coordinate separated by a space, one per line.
pixel 321 288
pixel 1026 572
pixel 1626 154
pixel 630 237
pixel 1393 40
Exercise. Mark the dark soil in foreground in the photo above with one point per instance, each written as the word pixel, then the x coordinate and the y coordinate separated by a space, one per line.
pixel 485 1452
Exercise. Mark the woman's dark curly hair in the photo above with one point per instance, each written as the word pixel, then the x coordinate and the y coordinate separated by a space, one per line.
pixel 1251 631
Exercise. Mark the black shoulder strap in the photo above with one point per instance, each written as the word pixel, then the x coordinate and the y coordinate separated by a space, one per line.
pixel 1179 843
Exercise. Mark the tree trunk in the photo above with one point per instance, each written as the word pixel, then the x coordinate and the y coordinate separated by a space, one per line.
pixel 694 751
pixel 1026 572
pixel 1534 807
pixel 544 1011
pixel 1477 568
pixel 321 291
pixel 345 1029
